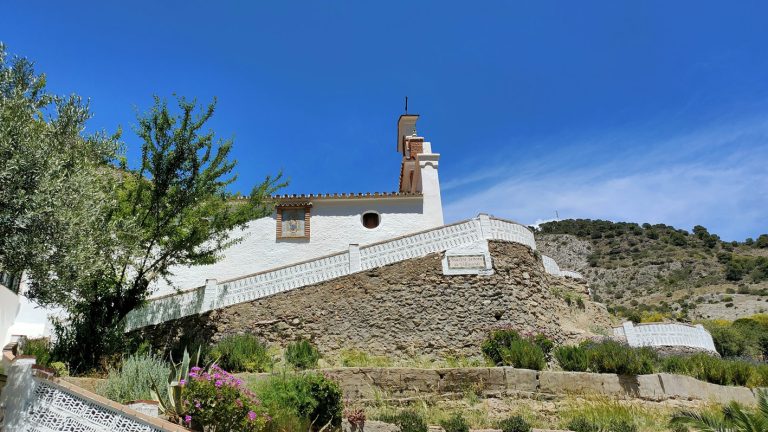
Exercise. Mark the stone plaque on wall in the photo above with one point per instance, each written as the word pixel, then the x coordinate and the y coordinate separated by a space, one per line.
pixel 466 262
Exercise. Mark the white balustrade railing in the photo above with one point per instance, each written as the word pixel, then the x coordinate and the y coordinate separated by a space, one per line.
pixel 666 334
pixel 551 267
pixel 243 289
pixel 420 244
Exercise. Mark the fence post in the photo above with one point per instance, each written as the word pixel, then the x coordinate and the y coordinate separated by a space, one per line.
pixel 486 231
pixel 210 295
pixel 354 258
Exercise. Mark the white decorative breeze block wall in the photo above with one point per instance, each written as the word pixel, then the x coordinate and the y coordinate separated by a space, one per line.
pixel 33 404
pixel 356 258
pixel 551 267
pixel 666 334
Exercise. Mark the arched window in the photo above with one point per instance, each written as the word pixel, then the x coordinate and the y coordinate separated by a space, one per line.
pixel 371 220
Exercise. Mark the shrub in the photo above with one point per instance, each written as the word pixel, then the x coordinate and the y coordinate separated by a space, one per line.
pixel 621 425
pixel 614 357
pixel 572 358
pixel 717 371
pixel 607 357
pixel 505 347
pixel 523 354
pixel 455 423
pixel 216 400
pixel 302 354
pixel 497 340
pixel 40 348
pixel 61 369
pixel 544 343
pixel 581 424
pixel 241 353
pixel 133 381
pixel 514 424
pixel 310 397
pixel 407 421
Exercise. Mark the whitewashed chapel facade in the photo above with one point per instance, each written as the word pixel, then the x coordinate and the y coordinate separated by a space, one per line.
pixel 310 238
pixel 308 226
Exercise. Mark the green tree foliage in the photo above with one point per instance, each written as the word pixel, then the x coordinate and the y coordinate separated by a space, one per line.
pixel 93 233
pixel 172 210
pixel 51 174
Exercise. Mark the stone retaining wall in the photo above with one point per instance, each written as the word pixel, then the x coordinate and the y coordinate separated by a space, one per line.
pixel 405 383
pixel 400 310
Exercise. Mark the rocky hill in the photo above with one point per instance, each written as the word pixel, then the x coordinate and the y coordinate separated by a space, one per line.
pixel 647 271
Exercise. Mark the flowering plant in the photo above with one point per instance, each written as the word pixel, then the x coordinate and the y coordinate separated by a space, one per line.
pixel 217 401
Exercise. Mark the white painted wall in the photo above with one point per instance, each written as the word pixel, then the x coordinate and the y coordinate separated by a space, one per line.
pixel 666 334
pixel 9 308
pixel 334 225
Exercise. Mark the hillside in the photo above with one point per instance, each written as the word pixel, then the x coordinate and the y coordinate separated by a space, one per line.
pixel 644 270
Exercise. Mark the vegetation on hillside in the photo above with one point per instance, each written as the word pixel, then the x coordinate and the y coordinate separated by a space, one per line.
pixel 629 261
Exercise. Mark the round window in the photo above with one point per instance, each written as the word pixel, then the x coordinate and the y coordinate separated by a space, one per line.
pixel 371 220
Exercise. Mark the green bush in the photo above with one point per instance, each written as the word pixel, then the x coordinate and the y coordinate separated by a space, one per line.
pixel 302 354
pixel 133 381
pixel 607 357
pixel 217 401
pixel 505 347
pixel 407 421
pixel 309 397
pixel 61 369
pixel 455 423
pixel 614 357
pixel 514 424
pixel 716 370
pixel 523 354
pixel 621 425
pixel 582 424
pixel 546 344
pixel 241 353
pixel 40 348
pixel 572 358
pixel 497 340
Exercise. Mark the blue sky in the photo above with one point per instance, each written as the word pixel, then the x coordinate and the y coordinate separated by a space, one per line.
pixel 650 111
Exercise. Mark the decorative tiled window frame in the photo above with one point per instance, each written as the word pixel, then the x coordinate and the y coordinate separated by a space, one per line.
pixel 279 218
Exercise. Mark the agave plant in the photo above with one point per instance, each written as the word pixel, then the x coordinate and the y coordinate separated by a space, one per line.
pixel 734 419
pixel 178 377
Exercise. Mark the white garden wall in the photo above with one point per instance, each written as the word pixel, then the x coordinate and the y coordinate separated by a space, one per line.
pixel 9 308
pixel 666 334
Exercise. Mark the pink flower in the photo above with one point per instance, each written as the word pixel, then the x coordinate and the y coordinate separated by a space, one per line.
pixel 218 383
pixel 188 419
pixel 182 382
pixel 251 416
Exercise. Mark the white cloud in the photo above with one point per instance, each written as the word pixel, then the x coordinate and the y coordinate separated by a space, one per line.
pixel 716 177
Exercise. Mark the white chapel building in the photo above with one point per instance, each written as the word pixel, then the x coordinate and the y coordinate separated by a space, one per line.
pixel 314 237
pixel 307 226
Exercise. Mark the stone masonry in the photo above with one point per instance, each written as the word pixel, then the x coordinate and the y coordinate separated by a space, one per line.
pixel 401 310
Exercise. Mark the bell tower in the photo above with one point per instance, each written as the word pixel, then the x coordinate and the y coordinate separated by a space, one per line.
pixel 418 170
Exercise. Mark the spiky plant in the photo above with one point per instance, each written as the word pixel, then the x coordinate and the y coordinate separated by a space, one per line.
pixel 735 418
